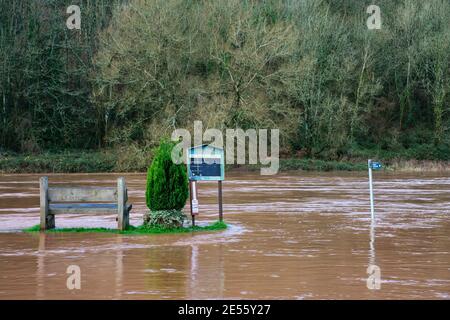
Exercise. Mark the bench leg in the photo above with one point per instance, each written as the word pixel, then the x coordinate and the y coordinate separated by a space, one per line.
pixel 122 219
pixel 47 220
pixel 50 221
pixel 123 222
pixel 126 218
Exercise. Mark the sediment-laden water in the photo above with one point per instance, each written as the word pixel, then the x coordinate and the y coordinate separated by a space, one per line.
pixel 291 236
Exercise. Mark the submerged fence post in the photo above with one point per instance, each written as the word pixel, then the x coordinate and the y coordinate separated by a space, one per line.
pixel 372 210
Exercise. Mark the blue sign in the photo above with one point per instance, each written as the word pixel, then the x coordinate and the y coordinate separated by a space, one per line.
pixel 206 163
pixel 375 165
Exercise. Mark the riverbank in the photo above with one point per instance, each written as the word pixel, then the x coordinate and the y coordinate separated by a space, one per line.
pixel 114 161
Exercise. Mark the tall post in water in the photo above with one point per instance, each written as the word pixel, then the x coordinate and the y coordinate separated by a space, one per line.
pixel 372 210
pixel 220 202
pixel 194 201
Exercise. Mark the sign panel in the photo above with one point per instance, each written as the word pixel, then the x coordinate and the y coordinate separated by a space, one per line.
pixel 375 165
pixel 206 163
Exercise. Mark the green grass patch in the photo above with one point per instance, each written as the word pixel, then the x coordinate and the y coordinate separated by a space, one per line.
pixel 216 226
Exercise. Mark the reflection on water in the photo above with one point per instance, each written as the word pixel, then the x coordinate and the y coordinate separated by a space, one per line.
pixel 372 260
pixel 291 236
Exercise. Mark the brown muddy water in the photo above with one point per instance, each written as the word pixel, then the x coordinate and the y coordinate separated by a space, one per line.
pixel 291 236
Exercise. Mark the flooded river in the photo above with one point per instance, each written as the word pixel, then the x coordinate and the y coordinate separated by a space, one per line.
pixel 291 236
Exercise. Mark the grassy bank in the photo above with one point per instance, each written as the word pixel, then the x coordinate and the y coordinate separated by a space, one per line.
pixel 90 162
pixel 422 158
pixel 136 230
pixel 61 162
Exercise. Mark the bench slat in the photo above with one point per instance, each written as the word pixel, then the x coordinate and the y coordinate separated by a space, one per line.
pixel 64 194
pixel 62 208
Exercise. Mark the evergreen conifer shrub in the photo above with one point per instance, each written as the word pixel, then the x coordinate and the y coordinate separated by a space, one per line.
pixel 167 186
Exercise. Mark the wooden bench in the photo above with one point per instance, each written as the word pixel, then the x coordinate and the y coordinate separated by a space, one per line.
pixel 59 200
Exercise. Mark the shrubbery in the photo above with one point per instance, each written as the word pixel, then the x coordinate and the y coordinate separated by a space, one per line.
pixel 167 189
pixel 166 219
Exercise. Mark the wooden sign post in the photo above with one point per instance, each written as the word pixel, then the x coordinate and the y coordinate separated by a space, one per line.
pixel 205 163
pixel 194 201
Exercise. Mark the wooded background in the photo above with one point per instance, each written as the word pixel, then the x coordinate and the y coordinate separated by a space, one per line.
pixel 138 69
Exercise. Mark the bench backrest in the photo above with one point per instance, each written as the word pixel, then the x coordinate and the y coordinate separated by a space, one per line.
pixel 85 194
